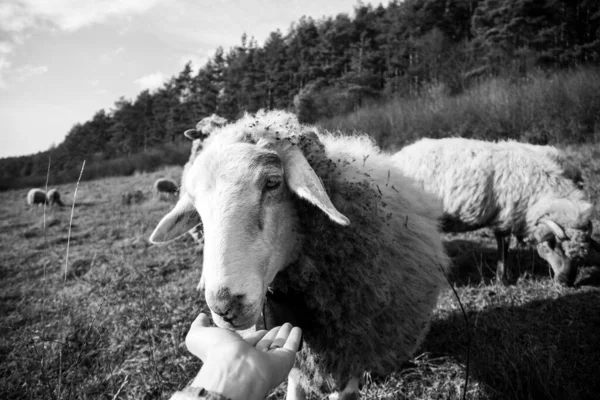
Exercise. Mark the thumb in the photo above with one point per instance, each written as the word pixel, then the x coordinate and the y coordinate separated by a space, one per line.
pixel 201 321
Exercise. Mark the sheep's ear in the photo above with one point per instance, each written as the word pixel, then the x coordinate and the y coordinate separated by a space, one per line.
pixel 176 223
pixel 194 134
pixel 303 181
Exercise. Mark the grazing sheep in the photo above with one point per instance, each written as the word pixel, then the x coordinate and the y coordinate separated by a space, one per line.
pixel 508 189
pixel 163 185
pixel 36 196
pixel 325 222
pixel 132 197
pixel 54 198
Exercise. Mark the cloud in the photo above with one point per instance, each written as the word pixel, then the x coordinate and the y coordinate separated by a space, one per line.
pixel 4 68
pixel 28 71
pixel 151 81
pixel 67 15
pixel 21 18
pixel 111 55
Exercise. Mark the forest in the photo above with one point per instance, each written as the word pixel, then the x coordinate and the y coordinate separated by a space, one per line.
pixel 335 66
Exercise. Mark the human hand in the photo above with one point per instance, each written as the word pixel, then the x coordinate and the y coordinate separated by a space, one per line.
pixel 242 368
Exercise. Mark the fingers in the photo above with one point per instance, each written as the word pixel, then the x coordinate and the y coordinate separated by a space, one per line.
pixel 254 337
pixel 293 340
pixel 282 335
pixel 202 338
pixel 266 341
pixel 286 337
pixel 201 320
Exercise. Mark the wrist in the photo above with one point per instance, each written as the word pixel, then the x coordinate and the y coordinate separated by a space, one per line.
pixel 236 378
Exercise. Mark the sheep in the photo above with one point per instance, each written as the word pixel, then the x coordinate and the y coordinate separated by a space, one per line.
pixel 327 223
pixel 508 189
pixel 53 197
pixel 132 197
pixel 163 185
pixel 36 196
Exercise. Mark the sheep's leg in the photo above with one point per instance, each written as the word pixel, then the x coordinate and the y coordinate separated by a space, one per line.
pixel 350 392
pixel 294 389
pixel 502 274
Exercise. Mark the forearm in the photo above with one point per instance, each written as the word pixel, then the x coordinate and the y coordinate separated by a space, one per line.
pixel 235 381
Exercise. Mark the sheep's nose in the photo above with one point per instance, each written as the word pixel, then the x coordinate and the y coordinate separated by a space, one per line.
pixel 226 305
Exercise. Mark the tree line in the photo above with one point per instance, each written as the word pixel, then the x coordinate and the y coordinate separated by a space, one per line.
pixel 332 66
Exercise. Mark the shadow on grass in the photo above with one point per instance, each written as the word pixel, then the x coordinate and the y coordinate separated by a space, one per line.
pixel 474 262
pixel 544 349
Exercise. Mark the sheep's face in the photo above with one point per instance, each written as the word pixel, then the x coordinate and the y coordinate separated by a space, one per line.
pixel 564 251
pixel 249 221
pixel 243 194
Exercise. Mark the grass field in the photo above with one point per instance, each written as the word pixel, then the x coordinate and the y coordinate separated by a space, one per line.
pixel 109 322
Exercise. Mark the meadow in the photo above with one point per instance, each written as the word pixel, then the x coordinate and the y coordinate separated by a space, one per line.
pixel 109 322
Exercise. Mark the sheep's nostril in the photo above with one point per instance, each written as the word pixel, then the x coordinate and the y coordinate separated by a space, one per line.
pixel 227 319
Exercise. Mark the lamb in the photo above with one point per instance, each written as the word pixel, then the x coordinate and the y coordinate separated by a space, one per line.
pixel 36 196
pixel 164 185
pixel 503 187
pixel 327 223
pixel 54 198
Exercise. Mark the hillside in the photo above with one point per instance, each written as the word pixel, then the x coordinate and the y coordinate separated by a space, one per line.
pixel 336 65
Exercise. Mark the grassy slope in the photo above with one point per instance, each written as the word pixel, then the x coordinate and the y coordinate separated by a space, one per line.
pixel 114 329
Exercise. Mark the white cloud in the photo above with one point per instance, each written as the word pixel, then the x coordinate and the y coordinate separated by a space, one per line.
pixel 18 74
pixel 28 71
pixel 4 68
pixel 5 47
pixel 20 18
pixel 67 15
pixel 151 81
pixel 111 55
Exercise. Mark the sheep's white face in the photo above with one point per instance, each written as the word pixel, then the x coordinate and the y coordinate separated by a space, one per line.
pixel 249 221
pixel 243 194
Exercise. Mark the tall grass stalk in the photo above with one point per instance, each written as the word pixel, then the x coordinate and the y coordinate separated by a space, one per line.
pixel 65 276
pixel 44 268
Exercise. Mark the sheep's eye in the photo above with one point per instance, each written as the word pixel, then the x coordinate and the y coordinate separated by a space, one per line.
pixel 272 182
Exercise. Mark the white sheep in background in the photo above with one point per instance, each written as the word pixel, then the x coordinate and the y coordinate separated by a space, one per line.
pixel 202 131
pixel 163 185
pixel 509 189
pixel 326 222
pixel 54 198
pixel 36 196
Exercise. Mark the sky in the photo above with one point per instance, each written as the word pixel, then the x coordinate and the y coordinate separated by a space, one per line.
pixel 63 60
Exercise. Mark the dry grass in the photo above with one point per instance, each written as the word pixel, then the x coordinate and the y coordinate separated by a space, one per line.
pixel 114 329
pixel 557 108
